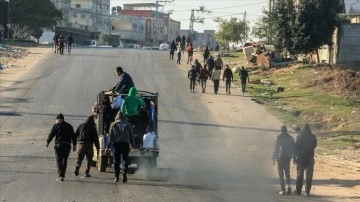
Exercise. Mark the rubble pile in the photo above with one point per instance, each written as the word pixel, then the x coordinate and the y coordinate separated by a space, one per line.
pixel 8 55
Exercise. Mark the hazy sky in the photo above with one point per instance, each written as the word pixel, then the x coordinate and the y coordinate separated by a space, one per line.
pixel 219 8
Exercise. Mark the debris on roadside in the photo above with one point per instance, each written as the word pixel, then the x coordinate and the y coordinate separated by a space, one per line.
pixel 9 54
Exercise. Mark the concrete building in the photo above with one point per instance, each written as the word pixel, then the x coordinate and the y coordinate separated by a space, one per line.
pixel 144 19
pixel 202 39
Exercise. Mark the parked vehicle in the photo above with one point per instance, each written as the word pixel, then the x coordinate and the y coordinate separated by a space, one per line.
pixel 149 116
pixel 164 46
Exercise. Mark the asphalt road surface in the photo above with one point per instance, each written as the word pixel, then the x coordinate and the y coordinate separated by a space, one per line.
pixel 202 157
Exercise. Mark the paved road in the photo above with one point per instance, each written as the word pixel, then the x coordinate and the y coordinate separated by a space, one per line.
pixel 203 157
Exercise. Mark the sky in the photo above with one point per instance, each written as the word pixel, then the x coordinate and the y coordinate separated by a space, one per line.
pixel 219 8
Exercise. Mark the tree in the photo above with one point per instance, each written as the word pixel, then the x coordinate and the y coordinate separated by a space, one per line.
pixel 233 30
pixel 264 27
pixel 37 34
pixel 284 18
pixel 29 16
pixel 315 24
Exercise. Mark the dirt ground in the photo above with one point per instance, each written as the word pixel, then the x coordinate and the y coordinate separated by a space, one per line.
pixel 335 176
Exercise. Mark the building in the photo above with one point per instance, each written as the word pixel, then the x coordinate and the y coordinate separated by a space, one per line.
pixel 144 24
pixel 201 39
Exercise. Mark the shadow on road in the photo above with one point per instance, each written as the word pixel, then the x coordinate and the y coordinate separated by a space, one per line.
pixel 215 125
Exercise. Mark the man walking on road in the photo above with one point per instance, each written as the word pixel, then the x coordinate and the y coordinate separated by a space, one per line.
pixel 121 139
pixel 228 77
pixel 215 77
pixel 283 152
pixel 244 75
pixel 87 136
pixel 210 64
pixel 192 76
pixel 305 145
pixel 64 135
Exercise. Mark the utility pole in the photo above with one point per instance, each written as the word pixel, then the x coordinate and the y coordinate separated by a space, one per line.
pixel 156 17
pixel 245 28
pixel 196 19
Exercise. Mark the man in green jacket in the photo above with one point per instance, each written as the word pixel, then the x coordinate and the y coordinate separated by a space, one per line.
pixel 130 107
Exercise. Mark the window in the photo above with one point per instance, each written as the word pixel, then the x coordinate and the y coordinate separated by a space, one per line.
pixel 170 31
pixel 74 14
pixel 161 30
pixel 77 5
pixel 83 16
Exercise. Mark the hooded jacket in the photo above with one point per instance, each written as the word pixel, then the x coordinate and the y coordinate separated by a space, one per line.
pixel 131 103
pixel 86 133
pixel 121 130
pixel 305 145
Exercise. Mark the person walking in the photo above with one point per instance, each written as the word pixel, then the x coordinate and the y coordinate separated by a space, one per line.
pixel 56 42
pixel 179 52
pixel 172 50
pixel 206 54
pixel 305 145
pixel 190 52
pixel 70 42
pixel 121 141
pixel 64 135
pixel 125 81
pixel 87 136
pixel 197 69
pixel 244 76
pixel 130 107
pixel 283 152
pixel 188 41
pixel 219 62
pixel 215 77
pixel 210 64
pixel 61 42
pixel 204 76
pixel 192 77
pixel 183 42
pixel 228 78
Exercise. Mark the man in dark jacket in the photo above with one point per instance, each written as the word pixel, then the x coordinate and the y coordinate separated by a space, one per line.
pixel 305 145
pixel 192 76
pixel 283 152
pixel 64 135
pixel 121 139
pixel 244 76
pixel 228 77
pixel 210 64
pixel 125 81
pixel 86 135
pixel 61 44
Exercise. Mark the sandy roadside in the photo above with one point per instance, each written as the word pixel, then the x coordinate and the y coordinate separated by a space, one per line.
pixel 333 177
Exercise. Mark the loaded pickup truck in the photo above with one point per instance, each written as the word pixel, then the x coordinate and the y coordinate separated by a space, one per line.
pixel 105 111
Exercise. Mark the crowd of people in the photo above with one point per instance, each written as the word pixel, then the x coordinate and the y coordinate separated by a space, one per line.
pixel 59 43
pixel 121 137
pixel 120 131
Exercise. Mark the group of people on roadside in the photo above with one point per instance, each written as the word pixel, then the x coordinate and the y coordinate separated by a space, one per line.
pixel 212 70
pixel 59 43
pixel 180 45
pixel 301 151
pixel 121 138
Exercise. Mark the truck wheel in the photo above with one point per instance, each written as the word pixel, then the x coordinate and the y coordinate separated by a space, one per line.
pixel 102 163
